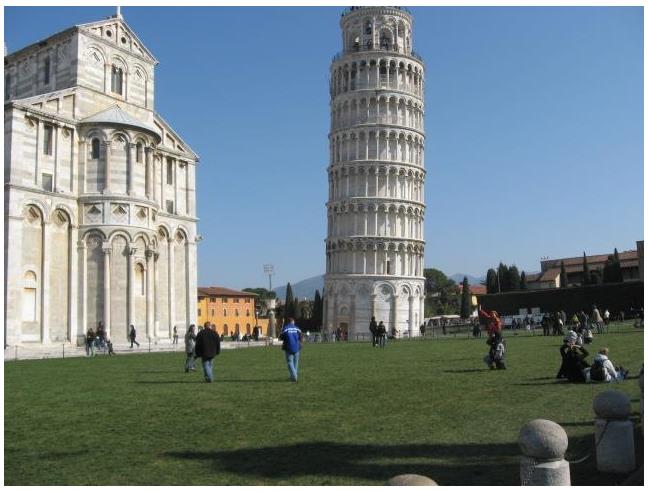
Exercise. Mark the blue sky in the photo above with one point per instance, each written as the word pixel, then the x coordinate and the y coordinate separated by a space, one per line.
pixel 534 129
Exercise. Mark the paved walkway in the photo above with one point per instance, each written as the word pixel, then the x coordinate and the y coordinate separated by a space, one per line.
pixel 61 350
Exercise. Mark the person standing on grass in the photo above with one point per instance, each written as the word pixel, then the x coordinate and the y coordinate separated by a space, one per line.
pixel 109 344
pixel 597 319
pixel 175 335
pixel 291 336
pixel 207 347
pixel 382 334
pixel 90 338
pixel 132 335
pixel 373 328
pixel 190 345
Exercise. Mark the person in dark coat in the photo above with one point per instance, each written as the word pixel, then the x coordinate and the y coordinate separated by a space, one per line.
pixel 574 363
pixel 132 335
pixel 207 347
pixel 373 328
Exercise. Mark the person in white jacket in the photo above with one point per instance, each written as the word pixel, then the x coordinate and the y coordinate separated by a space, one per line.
pixel 608 373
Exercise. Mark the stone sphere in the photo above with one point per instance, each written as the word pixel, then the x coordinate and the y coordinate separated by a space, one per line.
pixel 410 479
pixel 543 439
pixel 611 404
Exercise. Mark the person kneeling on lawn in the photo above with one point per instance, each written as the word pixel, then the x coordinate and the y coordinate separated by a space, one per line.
pixel 495 357
pixel 603 371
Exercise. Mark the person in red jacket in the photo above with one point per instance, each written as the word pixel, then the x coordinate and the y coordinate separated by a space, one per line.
pixel 493 322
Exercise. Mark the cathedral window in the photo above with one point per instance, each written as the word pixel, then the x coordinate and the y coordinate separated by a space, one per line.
pixel 138 152
pixel 29 297
pixel 169 206
pixel 48 132
pixel 117 80
pixel 139 279
pixel 388 267
pixel 46 70
pixel 96 148
pixel 169 171
pixel 46 181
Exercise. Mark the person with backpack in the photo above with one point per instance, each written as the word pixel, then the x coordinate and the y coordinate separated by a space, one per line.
pixel 603 371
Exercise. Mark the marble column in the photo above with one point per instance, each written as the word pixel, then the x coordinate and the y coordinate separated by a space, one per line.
pixel 411 316
pixel 130 165
pixel 107 171
pixel 83 282
pixel 45 283
pixel 131 285
pixel 149 294
pixel 107 250
pixel 172 298
pixel 394 313
pixel 148 176
pixel 73 297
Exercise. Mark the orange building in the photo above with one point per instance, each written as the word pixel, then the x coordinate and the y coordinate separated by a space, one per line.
pixel 231 311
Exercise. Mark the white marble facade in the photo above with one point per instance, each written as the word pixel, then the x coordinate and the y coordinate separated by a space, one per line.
pixel 100 209
pixel 375 243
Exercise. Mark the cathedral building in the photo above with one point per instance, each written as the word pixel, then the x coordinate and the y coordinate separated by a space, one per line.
pixel 375 244
pixel 100 208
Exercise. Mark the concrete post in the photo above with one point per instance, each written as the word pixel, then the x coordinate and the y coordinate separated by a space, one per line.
pixel 613 433
pixel 543 444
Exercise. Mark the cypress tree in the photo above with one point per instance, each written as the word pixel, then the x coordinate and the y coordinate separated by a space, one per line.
pixel 563 275
pixel 523 284
pixel 289 304
pixel 465 299
pixel 587 277
pixel 491 281
pixel 318 309
pixel 513 278
pixel 502 278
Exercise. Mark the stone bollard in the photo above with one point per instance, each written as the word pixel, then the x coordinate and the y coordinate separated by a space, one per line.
pixel 613 433
pixel 543 444
pixel 409 480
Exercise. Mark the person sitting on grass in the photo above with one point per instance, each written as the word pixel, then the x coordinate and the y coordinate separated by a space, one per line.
pixel 588 336
pixel 603 371
pixel 495 357
pixel 574 362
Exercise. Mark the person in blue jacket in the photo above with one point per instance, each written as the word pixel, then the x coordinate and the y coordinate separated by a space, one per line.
pixel 291 336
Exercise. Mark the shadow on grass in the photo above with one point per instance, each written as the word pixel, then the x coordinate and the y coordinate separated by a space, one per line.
pixel 170 382
pixel 554 382
pixel 315 462
pixel 461 371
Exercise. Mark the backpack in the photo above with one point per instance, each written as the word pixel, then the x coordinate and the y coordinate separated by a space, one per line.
pixel 598 371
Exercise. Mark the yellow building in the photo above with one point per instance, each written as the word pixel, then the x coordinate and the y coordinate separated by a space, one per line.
pixel 231 311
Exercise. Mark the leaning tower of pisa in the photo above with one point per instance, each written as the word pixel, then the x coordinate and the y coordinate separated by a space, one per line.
pixel 375 209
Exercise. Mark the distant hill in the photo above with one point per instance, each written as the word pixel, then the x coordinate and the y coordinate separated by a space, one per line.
pixel 305 288
pixel 458 277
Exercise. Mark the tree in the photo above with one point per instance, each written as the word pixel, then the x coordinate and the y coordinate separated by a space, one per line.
pixel 563 275
pixel 502 278
pixel 523 281
pixel 612 269
pixel 440 293
pixel 318 309
pixel 514 278
pixel 465 299
pixel 587 277
pixel 491 281
pixel 289 304
pixel 261 292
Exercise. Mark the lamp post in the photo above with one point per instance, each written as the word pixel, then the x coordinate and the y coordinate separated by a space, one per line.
pixel 268 269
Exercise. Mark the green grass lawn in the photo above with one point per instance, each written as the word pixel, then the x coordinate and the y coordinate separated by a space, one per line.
pixel 358 415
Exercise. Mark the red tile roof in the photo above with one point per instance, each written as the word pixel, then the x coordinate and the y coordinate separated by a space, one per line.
pixel 223 292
